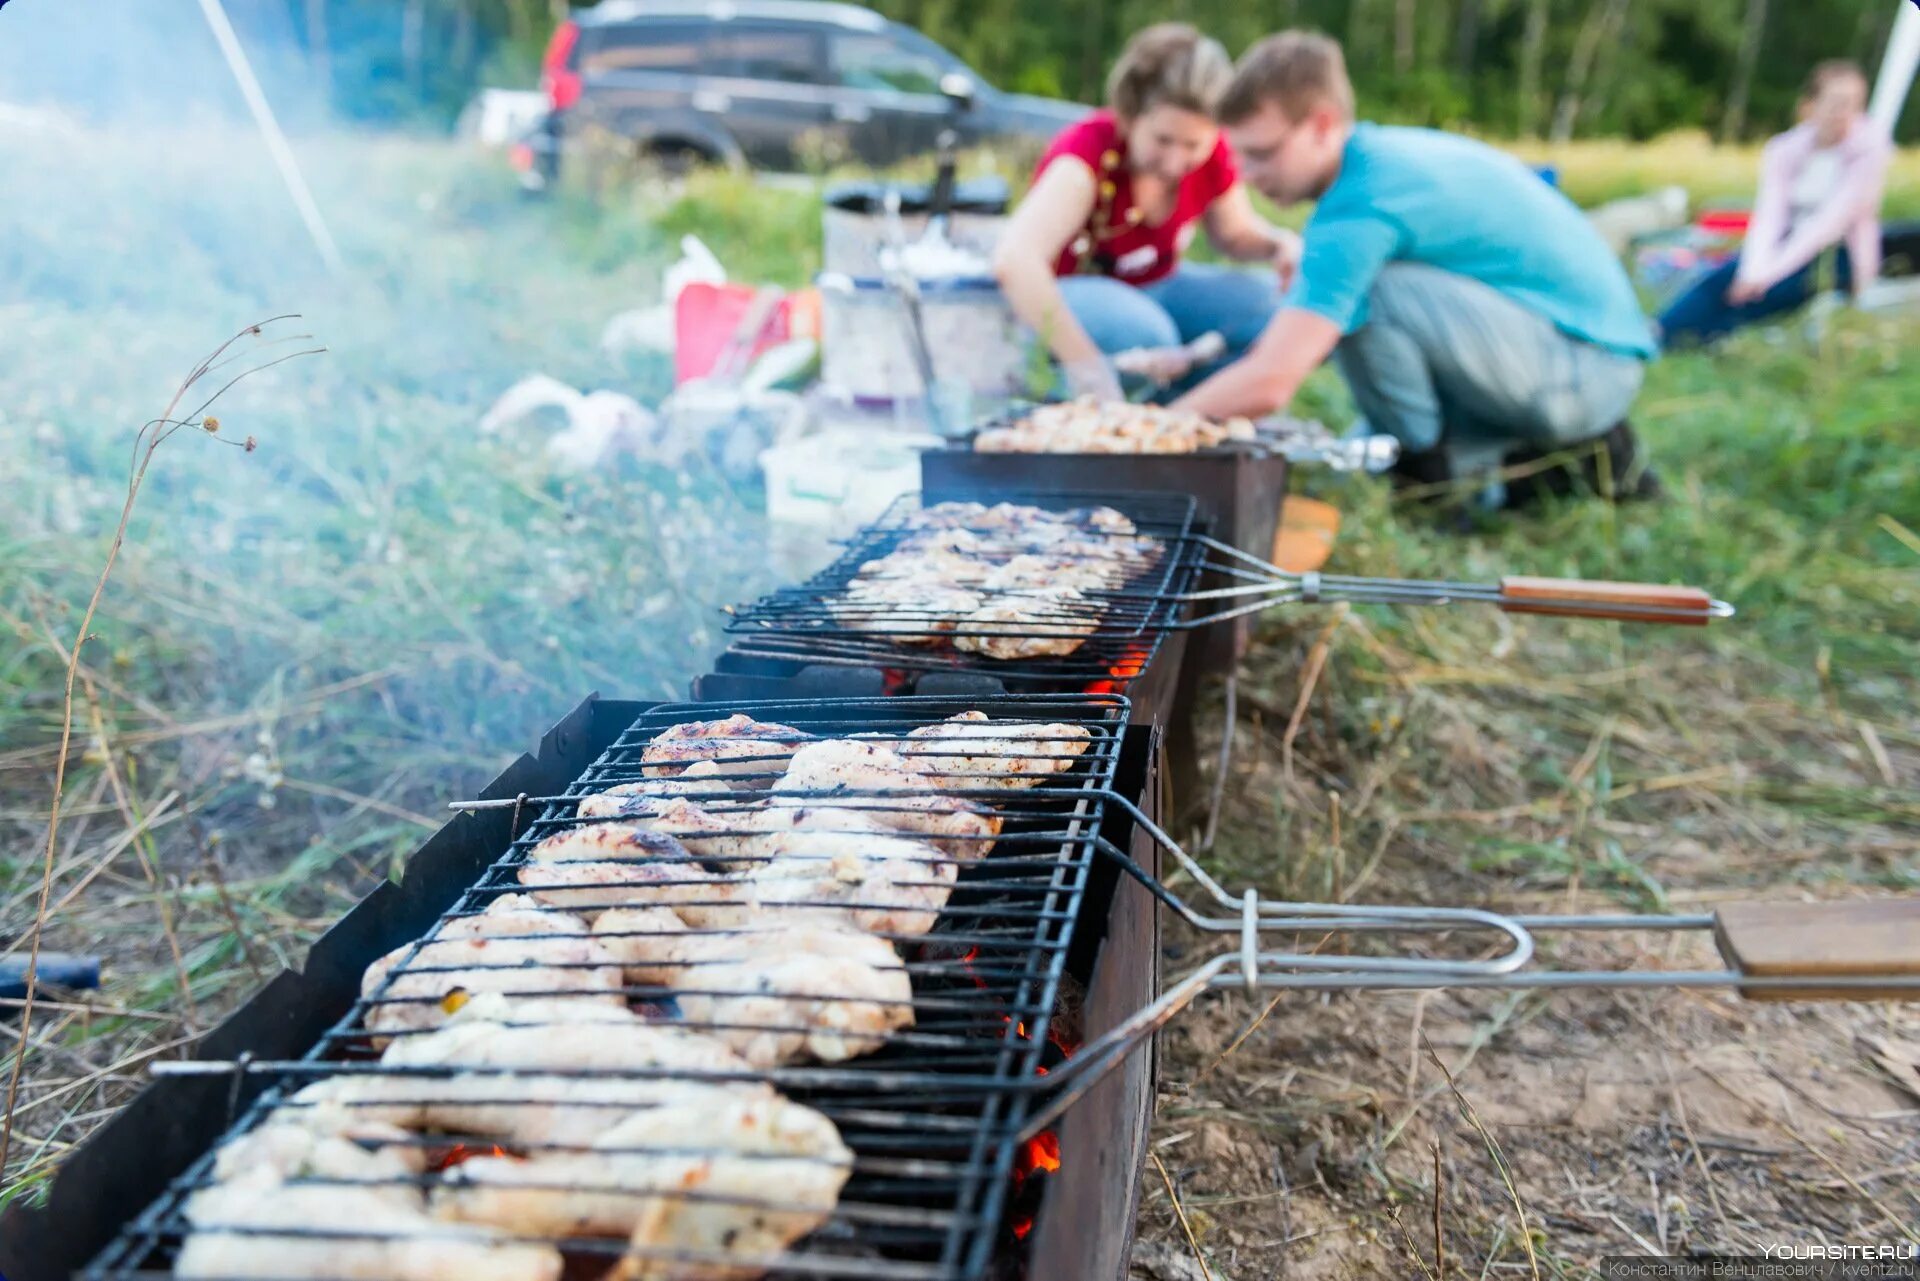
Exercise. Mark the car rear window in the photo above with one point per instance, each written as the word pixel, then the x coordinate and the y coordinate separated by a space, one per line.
pixel 644 46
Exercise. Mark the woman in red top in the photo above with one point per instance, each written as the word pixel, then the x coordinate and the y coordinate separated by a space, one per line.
pixel 1091 258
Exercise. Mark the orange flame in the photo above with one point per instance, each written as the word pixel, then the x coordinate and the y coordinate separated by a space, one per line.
pixel 1132 662
pixel 460 1154
pixel 1041 1155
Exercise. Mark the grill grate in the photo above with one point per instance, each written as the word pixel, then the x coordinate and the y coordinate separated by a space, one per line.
pixel 1122 629
pixel 931 1118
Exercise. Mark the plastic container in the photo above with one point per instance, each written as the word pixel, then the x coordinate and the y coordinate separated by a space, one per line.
pixel 972 334
pixel 707 318
pixel 842 478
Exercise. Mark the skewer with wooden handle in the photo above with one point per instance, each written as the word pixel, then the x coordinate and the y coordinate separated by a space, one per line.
pixel 1258 586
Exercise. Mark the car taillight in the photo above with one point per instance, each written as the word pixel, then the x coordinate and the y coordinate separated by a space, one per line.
pixel 561 82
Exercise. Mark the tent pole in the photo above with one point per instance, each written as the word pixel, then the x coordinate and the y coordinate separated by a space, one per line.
pixel 1897 68
pixel 236 57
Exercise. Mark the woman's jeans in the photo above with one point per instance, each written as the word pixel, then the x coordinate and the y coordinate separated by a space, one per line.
pixel 1445 362
pixel 1702 314
pixel 1196 299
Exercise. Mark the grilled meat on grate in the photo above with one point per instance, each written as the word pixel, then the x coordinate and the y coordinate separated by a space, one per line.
pixel 1007 582
pixel 1087 426
pixel 762 914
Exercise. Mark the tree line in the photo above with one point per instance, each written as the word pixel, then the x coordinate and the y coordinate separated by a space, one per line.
pixel 1512 68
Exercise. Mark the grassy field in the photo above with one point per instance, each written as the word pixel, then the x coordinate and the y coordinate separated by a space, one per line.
pixel 306 649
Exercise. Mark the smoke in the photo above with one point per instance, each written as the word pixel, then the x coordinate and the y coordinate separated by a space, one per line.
pixel 374 531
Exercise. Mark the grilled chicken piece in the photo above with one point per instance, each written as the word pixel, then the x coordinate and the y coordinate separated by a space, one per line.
pixel 742 841
pixel 894 896
pixel 1012 627
pixel 742 745
pixel 530 1109
pixel 838 767
pixel 1029 572
pixel 837 868
pixel 511 950
pixel 492 1032
pixel 640 801
pixel 598 866
pixel 594 888
pixel 911 611
pixel 778 992
pixel 724 1147
pixel 972 751
pixel 636 936
pixel 337 1146
pixel 385 1233
pixel 640 842
pixel 1016 519
pixel 502 1088
pixel 722 835
pixel 826 995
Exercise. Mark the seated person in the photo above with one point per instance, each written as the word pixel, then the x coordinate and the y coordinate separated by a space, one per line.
pixel 1820 185
pixel 1091 259
pixel 1473 310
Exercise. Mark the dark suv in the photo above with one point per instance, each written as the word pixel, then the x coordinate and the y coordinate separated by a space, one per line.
pixel 758 82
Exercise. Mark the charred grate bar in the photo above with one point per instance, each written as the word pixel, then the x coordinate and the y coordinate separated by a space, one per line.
pixel 1119 629
pixel 932 1118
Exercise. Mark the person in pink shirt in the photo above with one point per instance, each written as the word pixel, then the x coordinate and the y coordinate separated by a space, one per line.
pixel 1820 187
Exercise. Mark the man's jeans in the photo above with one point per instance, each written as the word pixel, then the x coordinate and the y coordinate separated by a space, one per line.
pixel 1447 362
pixel 1195 299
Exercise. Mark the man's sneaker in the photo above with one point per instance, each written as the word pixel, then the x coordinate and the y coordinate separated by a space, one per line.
pixel 1627 477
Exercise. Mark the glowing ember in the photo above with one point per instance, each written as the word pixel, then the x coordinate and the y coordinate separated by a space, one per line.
pixel 1131 663
pixel 460 1154
pixel 1042 1152
pixel 1038 1155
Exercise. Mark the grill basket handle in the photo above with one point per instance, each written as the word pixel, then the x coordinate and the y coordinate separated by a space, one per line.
pixel 1602 598
pixel 1849 942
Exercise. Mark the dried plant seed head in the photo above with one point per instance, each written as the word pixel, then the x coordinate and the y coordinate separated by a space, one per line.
pixel 211 423
pixel 252 444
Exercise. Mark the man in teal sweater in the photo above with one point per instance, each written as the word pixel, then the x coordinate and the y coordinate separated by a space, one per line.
pixel 1472 308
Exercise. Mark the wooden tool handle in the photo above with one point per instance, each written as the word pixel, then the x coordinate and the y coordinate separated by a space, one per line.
pixel 1857 938
pixel 1598 598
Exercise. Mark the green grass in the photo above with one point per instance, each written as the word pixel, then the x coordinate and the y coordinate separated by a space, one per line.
pixel 374 534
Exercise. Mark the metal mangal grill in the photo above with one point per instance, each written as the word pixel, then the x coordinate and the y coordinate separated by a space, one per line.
pixel 1121 629
pixel 933 1118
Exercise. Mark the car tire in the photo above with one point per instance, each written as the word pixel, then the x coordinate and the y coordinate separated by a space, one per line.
pixel 675 158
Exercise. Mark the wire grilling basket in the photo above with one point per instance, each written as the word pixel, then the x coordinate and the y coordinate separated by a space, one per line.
pixel 1111 629
pixel 927 1122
